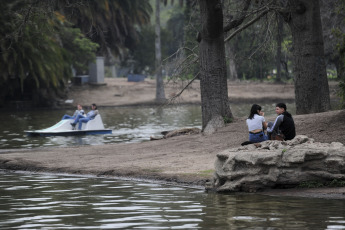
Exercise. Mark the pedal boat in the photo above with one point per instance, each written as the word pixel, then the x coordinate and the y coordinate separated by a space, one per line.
pixel 64 128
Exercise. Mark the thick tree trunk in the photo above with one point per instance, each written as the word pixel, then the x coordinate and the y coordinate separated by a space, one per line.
pixel 213 82
pixel 311 84
pixel 160 94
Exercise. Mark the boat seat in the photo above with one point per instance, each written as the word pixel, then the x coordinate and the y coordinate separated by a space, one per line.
pixel 94 124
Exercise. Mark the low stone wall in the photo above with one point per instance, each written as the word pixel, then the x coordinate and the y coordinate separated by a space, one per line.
pixel 272 164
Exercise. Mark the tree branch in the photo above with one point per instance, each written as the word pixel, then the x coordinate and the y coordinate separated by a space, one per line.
pixel 182 90
pixel 234 23
pixel 247 24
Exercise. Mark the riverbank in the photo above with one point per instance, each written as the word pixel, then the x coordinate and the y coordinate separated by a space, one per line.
pixel 185 159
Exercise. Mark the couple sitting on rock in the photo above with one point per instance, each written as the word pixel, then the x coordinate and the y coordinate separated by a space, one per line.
pixel 79 116
pixel 283 127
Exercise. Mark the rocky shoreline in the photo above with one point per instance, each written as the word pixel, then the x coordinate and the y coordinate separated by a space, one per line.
pixel 279 164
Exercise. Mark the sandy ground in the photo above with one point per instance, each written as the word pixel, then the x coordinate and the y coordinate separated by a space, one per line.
pixel 187 159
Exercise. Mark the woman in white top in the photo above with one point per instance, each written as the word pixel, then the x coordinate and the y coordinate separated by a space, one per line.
pixel 256 125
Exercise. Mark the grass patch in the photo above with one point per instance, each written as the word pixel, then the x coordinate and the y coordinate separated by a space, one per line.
pixel 206 172
pixel 152 170
pixel 227 120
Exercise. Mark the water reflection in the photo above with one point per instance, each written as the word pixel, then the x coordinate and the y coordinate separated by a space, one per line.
pixel 128 124
pixel 252 211
pixel 44 201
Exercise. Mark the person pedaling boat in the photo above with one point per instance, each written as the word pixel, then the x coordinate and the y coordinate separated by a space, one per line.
pixel 80 119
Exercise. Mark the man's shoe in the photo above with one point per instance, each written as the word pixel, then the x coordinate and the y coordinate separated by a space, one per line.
pixel 73 124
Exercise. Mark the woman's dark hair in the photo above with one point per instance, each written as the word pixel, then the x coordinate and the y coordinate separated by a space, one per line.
pixel 254 110
pixel 94 105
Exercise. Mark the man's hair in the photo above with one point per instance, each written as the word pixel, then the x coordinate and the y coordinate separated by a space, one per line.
pixel 281 105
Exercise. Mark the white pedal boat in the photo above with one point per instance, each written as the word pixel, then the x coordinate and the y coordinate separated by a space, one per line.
pixel 64 128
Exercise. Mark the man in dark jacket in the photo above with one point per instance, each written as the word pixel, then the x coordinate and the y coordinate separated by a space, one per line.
pixel 283 124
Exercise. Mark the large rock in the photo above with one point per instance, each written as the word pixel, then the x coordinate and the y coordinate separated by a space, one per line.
pixel 273 164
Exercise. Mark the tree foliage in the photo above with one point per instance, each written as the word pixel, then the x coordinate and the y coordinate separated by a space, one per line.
pixel 112 24
pixel 80 48
pixel 41 41
pixel 31 55
pixel 171 38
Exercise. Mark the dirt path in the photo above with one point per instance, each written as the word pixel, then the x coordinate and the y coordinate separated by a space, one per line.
pixel 184 159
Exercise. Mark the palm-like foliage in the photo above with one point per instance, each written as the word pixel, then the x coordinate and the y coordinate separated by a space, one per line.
pixel 38 46
pixel 110 23
pixel 29 51
pixel 32 56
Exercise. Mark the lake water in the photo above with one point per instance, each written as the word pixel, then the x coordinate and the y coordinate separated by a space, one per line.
pixel 45 201
pixel 129 124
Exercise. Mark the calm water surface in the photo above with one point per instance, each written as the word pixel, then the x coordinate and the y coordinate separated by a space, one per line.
pixel 128 124
pixel 44 201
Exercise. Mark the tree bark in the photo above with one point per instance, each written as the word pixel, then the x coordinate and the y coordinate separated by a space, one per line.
pixel 231 62
pixel 279 46
pixel 213 82
pixel 160 94
pixel 311 84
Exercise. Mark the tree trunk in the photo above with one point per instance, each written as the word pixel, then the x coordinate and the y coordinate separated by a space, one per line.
pixel 311 84
pixel 279 46
pixel 232 65
pixel 339 65
pixel 213 82
pixel 160 94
